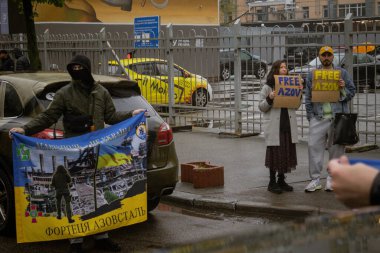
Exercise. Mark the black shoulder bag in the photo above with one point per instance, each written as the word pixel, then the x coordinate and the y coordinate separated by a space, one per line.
pixel 345 128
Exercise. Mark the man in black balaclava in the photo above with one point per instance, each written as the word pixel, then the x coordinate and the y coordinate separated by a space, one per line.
pixel 75 102
pixel 80 70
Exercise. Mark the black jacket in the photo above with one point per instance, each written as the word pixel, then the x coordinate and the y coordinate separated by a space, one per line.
pixel 22 62
pixel 7 64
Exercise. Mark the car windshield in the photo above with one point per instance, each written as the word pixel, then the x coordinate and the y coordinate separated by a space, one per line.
pixel 363 58
pixel 338 58
pixel 115 70
pixel 256 57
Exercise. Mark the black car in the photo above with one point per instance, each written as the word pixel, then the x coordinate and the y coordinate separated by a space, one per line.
pixel 296 57
pixel 25 95
pixel 250 64
pixel 365 67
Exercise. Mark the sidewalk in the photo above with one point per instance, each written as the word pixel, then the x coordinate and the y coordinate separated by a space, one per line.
pixel 246 178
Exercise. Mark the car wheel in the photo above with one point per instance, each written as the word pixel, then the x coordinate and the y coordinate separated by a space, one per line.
pixel 153 203
pixel 7 219
pixel 225 74
pixel 200 97
pixel 260 74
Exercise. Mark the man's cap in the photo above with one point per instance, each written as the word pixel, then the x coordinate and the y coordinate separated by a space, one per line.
pixel 325 49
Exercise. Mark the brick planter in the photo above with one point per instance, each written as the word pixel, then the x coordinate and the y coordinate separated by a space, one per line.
pixel 202 174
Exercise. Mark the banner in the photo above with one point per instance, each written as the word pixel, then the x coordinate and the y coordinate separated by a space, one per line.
pixel 288 92
pixel 176 12
pixel 325 85
pixel 80 186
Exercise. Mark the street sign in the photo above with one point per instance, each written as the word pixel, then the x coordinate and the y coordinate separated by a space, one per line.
pixel 146 31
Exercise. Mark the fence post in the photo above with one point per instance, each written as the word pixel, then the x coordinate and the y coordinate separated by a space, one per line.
pixel 102 50
pixel 237 76
pixel 348 59
pixel 46 58
pixel 170 60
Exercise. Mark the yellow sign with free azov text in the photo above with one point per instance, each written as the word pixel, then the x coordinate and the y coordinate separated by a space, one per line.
pixel 326 85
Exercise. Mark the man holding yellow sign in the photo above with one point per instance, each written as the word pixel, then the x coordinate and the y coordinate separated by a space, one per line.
pixel 326 86
pixel 328 91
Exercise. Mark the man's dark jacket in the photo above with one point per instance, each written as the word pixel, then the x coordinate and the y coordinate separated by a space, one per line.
pixel 76 99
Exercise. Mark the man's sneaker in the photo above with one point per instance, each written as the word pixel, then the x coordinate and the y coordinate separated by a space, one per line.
pixel 313 186
pixel 328 186
pixel 107 245
pixel 76 248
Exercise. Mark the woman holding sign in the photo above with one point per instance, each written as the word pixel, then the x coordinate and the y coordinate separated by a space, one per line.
pixel 280 130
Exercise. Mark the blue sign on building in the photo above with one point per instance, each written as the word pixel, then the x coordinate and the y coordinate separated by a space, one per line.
pixel 146 31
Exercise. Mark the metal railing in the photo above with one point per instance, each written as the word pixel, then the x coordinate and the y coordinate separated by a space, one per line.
pixel 197 55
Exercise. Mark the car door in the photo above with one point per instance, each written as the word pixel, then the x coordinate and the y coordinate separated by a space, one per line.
pixel 247 64
pixel 363 68
pixel 179 80
pixel 152 87
pixel 366 65
pixel 11 110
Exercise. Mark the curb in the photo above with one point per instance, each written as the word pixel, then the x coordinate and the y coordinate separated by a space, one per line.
pixel 240 206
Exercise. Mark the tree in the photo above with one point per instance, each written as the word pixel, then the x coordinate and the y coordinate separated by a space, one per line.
pixel 27 9
pixel 228 10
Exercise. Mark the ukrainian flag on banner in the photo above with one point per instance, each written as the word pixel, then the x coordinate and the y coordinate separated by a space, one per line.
pixel 113 156
pixel 80 186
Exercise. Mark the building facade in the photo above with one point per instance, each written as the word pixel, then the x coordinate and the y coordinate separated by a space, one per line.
pixel 299 10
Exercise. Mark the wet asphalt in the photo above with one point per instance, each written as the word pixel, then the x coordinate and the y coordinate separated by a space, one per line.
pixel 246 178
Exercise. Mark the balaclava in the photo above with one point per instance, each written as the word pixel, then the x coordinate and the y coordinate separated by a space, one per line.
pixel 83 75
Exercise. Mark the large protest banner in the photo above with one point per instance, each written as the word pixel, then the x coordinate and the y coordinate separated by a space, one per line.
pixel 288 92
pixel 80 186
pixel 325 85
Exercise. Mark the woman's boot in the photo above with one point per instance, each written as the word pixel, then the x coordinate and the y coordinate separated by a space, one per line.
pixel 273 186
pixel 282 184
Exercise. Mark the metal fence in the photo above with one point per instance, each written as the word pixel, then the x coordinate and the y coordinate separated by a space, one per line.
pixel 234 81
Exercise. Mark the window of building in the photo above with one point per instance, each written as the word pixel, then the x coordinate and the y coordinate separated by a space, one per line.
pixel 291 15
pixel 305 11
pixel 261 15
pixel 357 10
pixel 325 11
pixel 378 8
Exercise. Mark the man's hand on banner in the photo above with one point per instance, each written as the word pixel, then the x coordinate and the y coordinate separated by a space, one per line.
pixel 137 111
pixel 16 130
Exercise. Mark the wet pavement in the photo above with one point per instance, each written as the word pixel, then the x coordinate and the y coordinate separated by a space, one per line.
pixel 348 232
pixel 326 225
pixel 246 178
